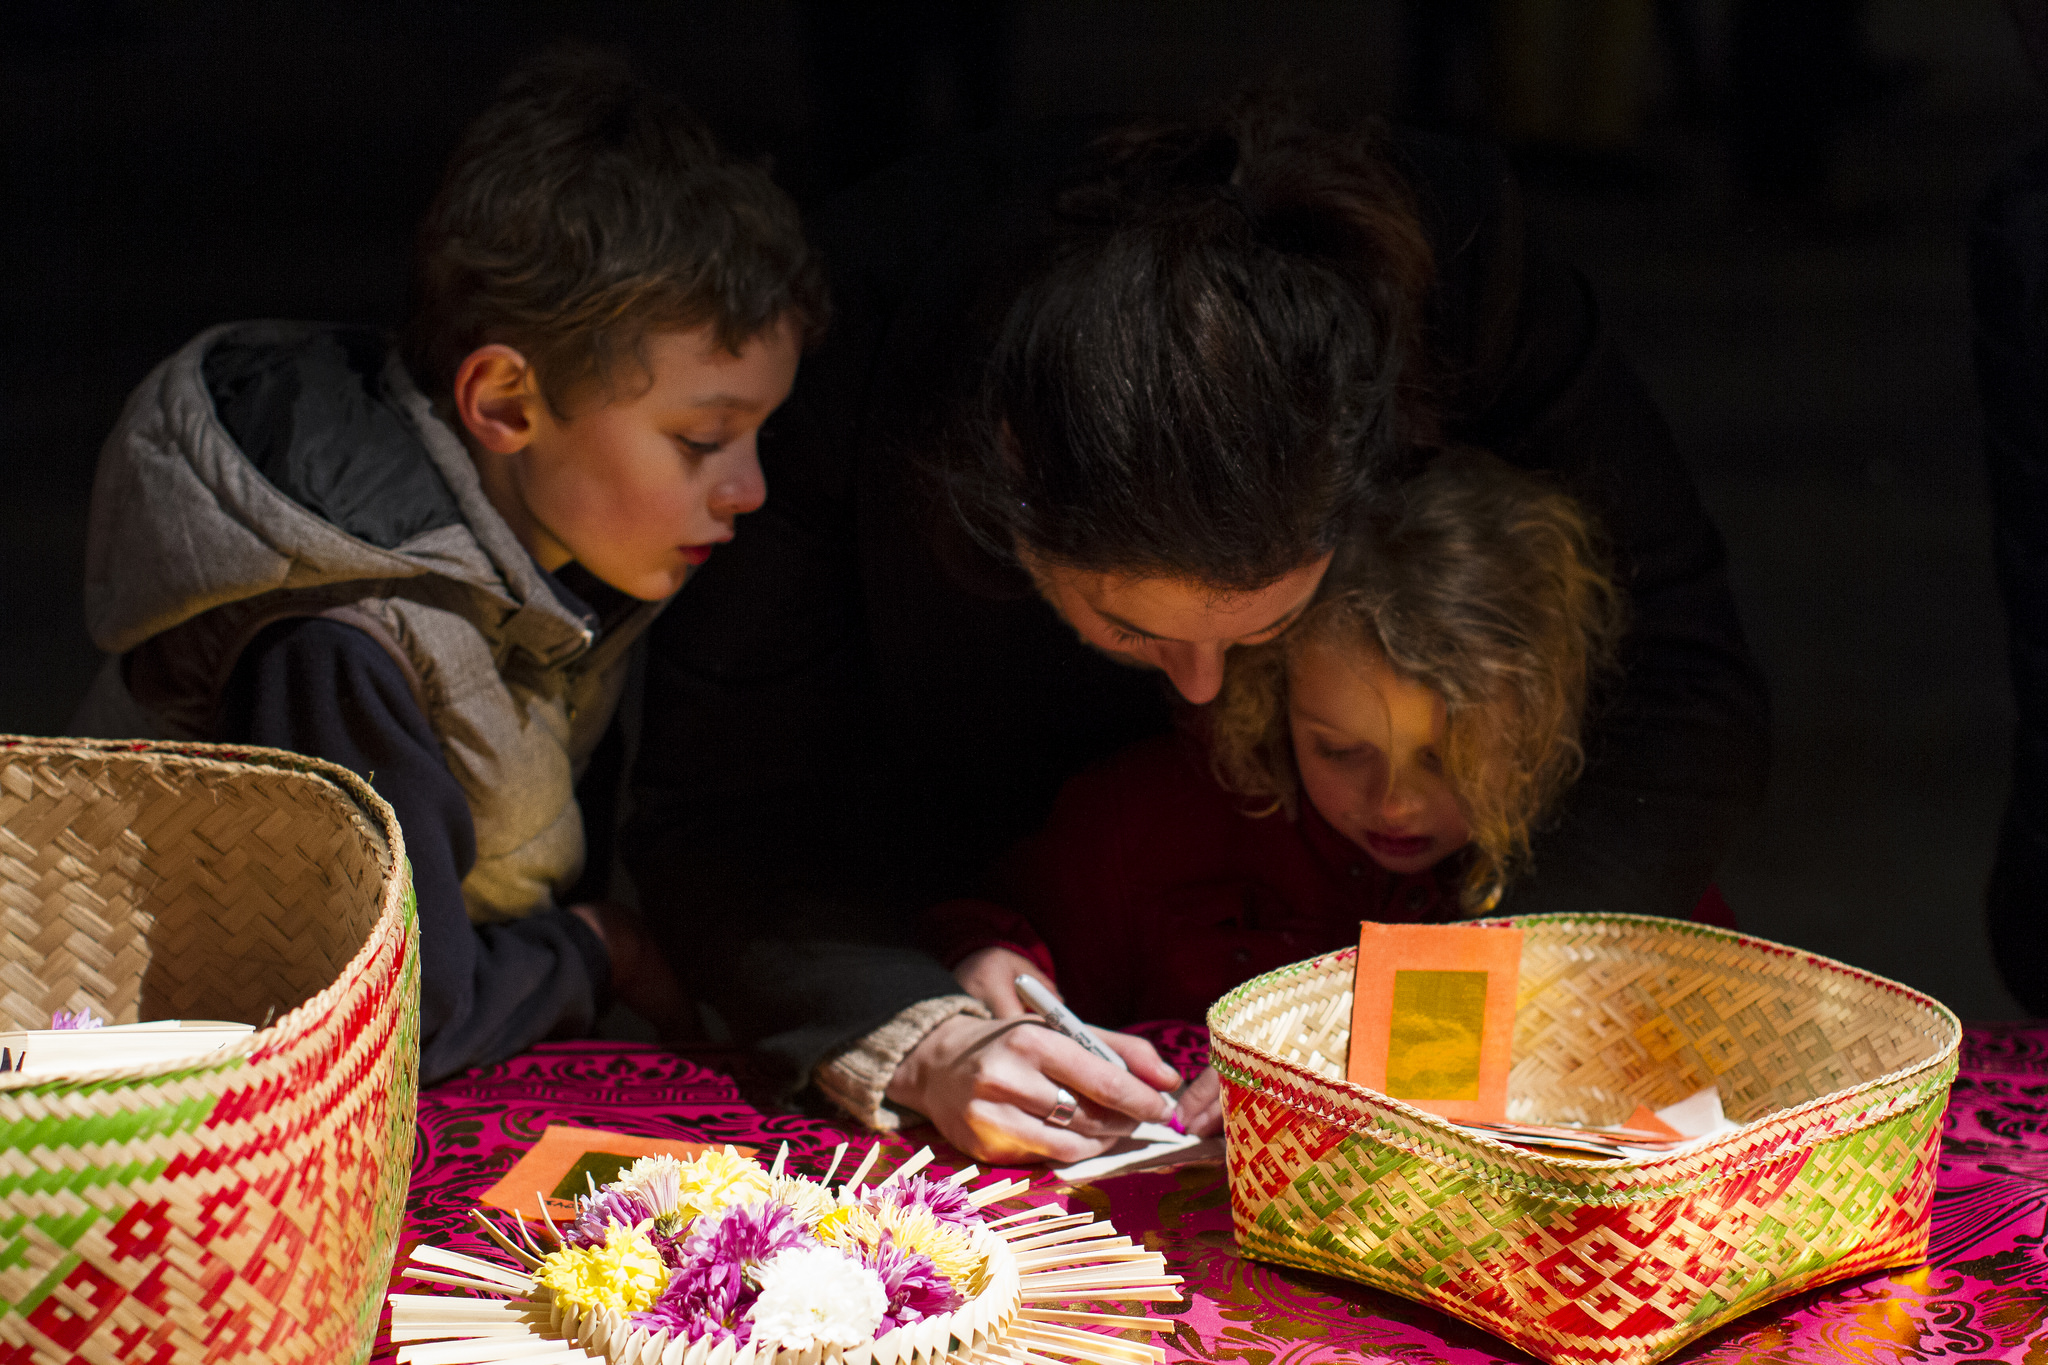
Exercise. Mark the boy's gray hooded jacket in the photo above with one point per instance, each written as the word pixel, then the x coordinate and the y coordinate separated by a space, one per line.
pixel 324 508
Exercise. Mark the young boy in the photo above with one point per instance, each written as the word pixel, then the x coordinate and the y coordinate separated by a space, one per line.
pixel 430 563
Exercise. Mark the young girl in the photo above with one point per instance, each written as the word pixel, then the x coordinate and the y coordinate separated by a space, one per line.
pixel 1428 708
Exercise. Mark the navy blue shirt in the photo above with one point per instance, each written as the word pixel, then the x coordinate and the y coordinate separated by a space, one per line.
pixel 487 991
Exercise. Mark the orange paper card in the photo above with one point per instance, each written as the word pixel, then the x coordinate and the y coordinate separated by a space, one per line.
pixel 567 1161
pixel 1433 1016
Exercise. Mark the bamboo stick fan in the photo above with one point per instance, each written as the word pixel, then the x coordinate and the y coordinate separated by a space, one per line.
pixel 1038 1262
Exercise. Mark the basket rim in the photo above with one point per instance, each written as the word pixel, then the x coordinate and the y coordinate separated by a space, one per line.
pixel 230 757
pixel 1672 1168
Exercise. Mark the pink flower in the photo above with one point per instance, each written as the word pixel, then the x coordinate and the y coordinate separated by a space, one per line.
pixel 82 1019
pixel 697 1319
pixel 712 1285
pixel 914 1285
pixel 601 1211
pixel 948 1202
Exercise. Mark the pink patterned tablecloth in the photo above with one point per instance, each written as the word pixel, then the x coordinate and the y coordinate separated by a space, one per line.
pixel 1982 1296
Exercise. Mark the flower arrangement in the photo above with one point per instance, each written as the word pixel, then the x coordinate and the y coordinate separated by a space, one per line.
pixel 712 1248
pixel 714 1256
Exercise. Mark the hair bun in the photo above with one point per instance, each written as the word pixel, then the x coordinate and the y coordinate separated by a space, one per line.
pixel 1283 179
pixel 1211 161
pixel 1298 225
pixel 1145 168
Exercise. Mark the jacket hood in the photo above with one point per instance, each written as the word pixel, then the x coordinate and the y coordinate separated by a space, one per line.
pixel 272 455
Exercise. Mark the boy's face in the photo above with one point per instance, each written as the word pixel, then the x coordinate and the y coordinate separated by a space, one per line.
pixel 1366 741
pixel 638 486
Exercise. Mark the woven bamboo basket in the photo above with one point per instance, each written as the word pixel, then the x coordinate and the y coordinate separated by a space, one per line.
pixel 1839 1079
pixel 240 1208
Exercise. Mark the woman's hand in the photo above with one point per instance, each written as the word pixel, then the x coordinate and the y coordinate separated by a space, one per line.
pixel 989 1086
pixel 1201 1104
pixel 990 976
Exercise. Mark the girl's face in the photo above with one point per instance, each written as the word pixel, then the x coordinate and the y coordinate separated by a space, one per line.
pixel 1367 743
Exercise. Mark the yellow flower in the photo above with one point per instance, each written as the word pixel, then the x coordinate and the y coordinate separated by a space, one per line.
pixel 716 1180
pixel 626 1274
pixel 912 1229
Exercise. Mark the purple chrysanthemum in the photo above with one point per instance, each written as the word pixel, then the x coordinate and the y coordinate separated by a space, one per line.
pixel 601 1211
pixel 708 1292
pixel 697 1321
pixel 914 1285
pixel 81 1019
pixel 948 1202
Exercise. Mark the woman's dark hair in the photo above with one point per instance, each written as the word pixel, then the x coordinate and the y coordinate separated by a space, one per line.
pixel 1211 361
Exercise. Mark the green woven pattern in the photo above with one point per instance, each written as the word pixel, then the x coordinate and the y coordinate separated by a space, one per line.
pixel 1374 1213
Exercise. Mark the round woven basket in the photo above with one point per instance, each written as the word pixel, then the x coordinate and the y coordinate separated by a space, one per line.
pixel 1839 1078
pixel 241 1209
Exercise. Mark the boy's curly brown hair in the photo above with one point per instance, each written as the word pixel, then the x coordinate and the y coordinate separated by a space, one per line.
pixel 1492 588
pixel 583 210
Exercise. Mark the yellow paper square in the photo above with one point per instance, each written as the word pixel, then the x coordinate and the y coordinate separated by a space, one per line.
pixel 1439 1019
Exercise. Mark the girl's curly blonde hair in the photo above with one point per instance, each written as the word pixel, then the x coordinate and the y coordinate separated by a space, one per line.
pixel 1490 587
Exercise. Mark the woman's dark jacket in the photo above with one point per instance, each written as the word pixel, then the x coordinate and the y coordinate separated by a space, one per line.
pixel 851 713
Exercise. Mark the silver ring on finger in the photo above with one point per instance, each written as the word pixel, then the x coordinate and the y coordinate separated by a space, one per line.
pixel 1064 1108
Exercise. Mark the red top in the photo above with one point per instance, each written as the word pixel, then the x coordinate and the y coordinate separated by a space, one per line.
pixel 1152 891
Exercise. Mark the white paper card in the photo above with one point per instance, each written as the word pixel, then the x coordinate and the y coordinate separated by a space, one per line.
pixel 65 1051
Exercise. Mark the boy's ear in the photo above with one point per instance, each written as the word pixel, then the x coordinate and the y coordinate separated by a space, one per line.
pixel 496 398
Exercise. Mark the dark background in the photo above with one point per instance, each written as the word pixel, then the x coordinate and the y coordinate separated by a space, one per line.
pixel 1774 219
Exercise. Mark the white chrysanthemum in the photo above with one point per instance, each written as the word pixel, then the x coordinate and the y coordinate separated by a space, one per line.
pixel 815 1296
pixel 658 1180
pixel 808 1198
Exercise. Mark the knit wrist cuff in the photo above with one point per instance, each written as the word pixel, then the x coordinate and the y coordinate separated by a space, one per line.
pixel 857 1078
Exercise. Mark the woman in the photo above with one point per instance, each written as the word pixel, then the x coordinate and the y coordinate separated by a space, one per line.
pixel 1094 403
